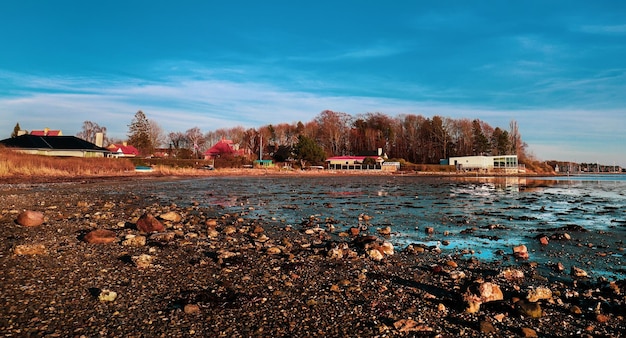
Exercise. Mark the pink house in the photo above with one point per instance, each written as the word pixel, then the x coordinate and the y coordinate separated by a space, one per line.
pixel 223 147
pixel 123 150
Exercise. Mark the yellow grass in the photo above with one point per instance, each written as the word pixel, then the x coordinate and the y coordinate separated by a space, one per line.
pixel 15 164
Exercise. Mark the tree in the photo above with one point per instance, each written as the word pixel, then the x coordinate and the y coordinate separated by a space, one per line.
pixel 480 141
pixel 157 135
pixel 196 140
pixel 90 130
pixel 139 134
pixel 179 145
pixel 501 144
pixel 308 151
pixel 16 130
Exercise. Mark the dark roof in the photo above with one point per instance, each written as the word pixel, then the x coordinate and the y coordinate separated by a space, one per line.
pixel 50 142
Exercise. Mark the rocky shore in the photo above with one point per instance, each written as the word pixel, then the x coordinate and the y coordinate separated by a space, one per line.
pixel 79 262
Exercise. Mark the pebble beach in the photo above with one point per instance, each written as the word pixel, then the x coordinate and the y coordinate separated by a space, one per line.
pixel 79 262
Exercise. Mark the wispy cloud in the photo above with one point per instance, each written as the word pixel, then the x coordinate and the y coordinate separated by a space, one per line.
pixel 603 29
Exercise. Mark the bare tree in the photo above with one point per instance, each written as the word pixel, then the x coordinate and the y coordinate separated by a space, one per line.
pixel 156 134
pixel 196 140
pixel 89 131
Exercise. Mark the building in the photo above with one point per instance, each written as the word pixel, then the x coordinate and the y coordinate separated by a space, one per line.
pixel 506 163
pixel 353 162
pixel 123 150
pixel 54 146
pixel 46 132
pixel 223 147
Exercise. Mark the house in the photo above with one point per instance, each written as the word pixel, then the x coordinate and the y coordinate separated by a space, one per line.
pixel 353 162
pixel 54 146
pixel 123 150
pixel 223 147
pixel 486 163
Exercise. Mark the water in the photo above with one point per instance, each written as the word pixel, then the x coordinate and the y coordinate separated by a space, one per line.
pixel 483 217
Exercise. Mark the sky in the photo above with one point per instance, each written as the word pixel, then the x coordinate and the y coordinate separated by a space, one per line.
pixel 558 68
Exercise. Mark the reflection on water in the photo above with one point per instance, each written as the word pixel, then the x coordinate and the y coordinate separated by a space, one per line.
pixel 479 215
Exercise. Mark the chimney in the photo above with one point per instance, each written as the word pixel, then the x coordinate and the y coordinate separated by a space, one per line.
pixel 124 143
pixel 99 139
pixel 380 151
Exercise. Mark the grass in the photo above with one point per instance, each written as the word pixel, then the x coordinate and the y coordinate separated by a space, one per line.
pixel 15 164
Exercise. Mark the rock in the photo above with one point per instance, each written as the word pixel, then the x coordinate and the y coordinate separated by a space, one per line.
pixel 520 252
pixel 386 231
pixel 274 250
pixel 100 236
pixel 191 309
pixel 148 223
pixel 30 249
pixel 136 241
pixel 538 293
pixel 528 332
pixel 143 261
pixel 229 230
pixel 486 327
pixel 532 310
pixel 107 296
pixel 387 248
pixel 452 264
pixel 429 230
pixel 601 318
pixel 212 233
pixel 335 253
pixel 30 218
pixel 211 223
pixel 486 292
pixel 578 272
pixel 576 310
pixel 354 231
pixel 543 240
pixel 408 325
pixel 171 216
pixel 511 274
pixel 375 254
pixel 163 237
pixel 455 275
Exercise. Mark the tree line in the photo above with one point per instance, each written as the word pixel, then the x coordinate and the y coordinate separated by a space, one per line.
pixel 414 138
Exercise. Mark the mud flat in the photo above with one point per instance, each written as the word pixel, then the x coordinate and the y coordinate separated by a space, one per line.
pixel 169 266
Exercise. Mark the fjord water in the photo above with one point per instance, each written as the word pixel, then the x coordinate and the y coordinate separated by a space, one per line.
pixel 474 216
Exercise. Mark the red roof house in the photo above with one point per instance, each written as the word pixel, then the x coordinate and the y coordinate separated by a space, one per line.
pixel 123 150
pixel 223 147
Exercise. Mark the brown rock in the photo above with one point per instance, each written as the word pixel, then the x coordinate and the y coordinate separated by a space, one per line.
pixel 486 327
pixel 171 216
pixel 578 272
pixel 163 237
pixel 100 236
pixel 602 318
pixel 191 309
pixel 532 310
pixel 520 252
pixel 543 240
pixel 354 231
pixel 576 310
pixel 538 293
pixel 528 332
pixel 148 223
pixel 30 218
pixel 430 230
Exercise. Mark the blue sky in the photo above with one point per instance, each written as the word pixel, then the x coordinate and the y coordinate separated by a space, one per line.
pixel 556 67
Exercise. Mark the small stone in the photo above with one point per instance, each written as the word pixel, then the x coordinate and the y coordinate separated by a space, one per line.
pixel 429 230
pixel 258 229
pixel 211 223
pixel 230 230
pixel 30 249
pixel 452 264
pixel 191 309
pixel 335 288
pixel 441 307
pixel 528 332
pixel 601 318
pixel 538 293
pixel 578 272
pixel 135 241
pixel 171 216
pixel 212 233
pixel 100 236
pixel 148 223
pixel 107 296
pixel 576 310
pixel 274 250
pixel 30 218
pixel 486 327
pixel 512 274
pixel 163 237
pixel 335 253
pixel 354 231
pixel 387 248
pixel 520 252
pixel 543 240
pixel 375 254
pixel 143 261
pixel 386 231
pixel 532 310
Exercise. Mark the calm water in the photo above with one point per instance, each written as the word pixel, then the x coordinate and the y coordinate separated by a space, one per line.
pixel 463 211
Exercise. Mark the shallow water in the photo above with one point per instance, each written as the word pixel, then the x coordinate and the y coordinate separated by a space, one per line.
pixel 476 216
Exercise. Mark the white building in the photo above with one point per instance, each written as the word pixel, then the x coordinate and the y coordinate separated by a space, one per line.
pixel 488 163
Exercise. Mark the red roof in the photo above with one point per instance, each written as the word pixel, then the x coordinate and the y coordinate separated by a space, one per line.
pixel 46 132
pixel 223 147
pixel 123 149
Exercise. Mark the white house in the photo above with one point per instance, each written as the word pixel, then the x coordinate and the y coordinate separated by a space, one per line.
pixel 501 162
